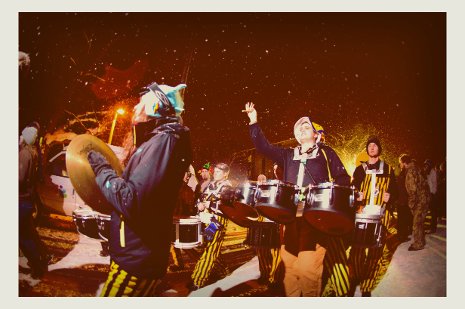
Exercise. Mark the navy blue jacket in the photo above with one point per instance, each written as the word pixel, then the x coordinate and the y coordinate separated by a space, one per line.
pixel 300 235
pixel 144 198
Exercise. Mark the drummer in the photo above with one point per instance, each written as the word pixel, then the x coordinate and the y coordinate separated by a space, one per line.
pixel 368 266
pixel 305 247
pixel 210 261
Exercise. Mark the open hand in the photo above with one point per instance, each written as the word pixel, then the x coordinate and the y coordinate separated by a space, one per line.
pixel 251 112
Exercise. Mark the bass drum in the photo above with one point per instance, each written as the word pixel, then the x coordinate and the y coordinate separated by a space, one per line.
pixel 329 208
pixel 186 232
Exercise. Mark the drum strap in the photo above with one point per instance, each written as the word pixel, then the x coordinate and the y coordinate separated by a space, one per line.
pixel 327 165
pixel 122 239
pixel 300 180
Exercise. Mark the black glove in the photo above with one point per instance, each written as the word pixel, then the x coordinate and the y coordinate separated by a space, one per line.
pixel 97 162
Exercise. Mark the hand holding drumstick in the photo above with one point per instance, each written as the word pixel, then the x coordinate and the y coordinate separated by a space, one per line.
pixel 251 112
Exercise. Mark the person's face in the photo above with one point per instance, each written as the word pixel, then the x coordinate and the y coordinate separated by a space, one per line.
pixel 373 150
pixel 205 174
pixel 261 179
pixel 401 165
pixel 219 174
pixel 307 135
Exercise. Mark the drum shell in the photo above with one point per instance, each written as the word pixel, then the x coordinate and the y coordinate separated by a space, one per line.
pixel 237 204
pixel 103 223
pixel 276 201
pixel 368 231
pixel 329 208
pixel 263 234
pixel 186 233
pixel 86 223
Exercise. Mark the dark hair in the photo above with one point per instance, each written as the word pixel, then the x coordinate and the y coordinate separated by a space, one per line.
pixel 405 158
pixel 223 166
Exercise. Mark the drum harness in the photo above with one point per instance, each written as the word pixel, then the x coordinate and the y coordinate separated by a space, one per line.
pixel 214 225
pixel 374 190
pixel 300 175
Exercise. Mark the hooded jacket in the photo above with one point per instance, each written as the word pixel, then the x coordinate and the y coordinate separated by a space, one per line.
pixel 144 198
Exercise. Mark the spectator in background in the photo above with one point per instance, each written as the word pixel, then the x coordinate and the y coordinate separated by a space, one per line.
pixel 29 241
pixel 418 199
pixel 432 178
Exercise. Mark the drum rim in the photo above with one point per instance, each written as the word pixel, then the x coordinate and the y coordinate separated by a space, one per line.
pixel 328 184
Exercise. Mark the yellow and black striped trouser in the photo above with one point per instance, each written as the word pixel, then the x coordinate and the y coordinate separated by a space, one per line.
pixel 337 266
pixel 368 265
pixel 120 283
pixel 269 259
pixel 210 260
pixel 268 262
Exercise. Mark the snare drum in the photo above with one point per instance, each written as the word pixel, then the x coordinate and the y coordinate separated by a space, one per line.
pixel 368 231
pixel 329 208
pixel 237 203
pixel 187 232
pixel 263 234
pixel 103 223
pixel 275 201
pixel 86 222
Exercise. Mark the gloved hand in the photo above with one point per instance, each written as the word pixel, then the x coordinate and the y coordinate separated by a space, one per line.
pixel 211 229
pixel 97 161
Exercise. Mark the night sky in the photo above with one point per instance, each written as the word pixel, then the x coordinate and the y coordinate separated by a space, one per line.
pixel 353 73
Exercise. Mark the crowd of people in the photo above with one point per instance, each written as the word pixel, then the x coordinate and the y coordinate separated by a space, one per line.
pixel 302 258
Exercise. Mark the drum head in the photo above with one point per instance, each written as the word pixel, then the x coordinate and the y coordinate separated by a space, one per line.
pixel 328 222
pixel 278 215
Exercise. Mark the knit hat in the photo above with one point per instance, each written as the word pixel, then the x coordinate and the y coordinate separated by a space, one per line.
pixel 29 135
pixel 297 128
pixel 160 101
pixel 374 139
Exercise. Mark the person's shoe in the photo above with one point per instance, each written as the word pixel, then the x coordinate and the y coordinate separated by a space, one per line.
pixel 412 248
pixel 192 287
pixel 263 280
pixel 366 294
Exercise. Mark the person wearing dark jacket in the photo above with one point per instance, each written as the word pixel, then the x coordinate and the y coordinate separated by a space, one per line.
pixel 29 240
pixel 144 197
pixel 304 249
pixel 376 183
pixel 404 215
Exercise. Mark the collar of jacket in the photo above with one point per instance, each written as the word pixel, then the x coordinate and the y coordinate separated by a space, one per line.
pixel 306 155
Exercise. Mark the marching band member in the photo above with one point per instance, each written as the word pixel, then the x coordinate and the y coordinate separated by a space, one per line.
pixel 304 248
pixel 375 182
pixel 210 261
pixel 143 198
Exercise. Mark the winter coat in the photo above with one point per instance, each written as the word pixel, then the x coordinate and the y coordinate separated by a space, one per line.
pixel 300 235
pixel 144 198
pixel 417 188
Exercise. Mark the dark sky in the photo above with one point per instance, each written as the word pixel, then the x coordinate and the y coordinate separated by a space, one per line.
pixel 380 72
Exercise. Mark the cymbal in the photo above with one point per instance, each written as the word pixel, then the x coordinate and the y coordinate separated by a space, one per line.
pixel 81 174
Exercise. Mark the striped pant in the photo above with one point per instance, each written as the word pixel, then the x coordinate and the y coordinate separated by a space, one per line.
pixel 210 261
pixel 121 283
pixel 369 265
pixel 269 260
pixel 337 267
